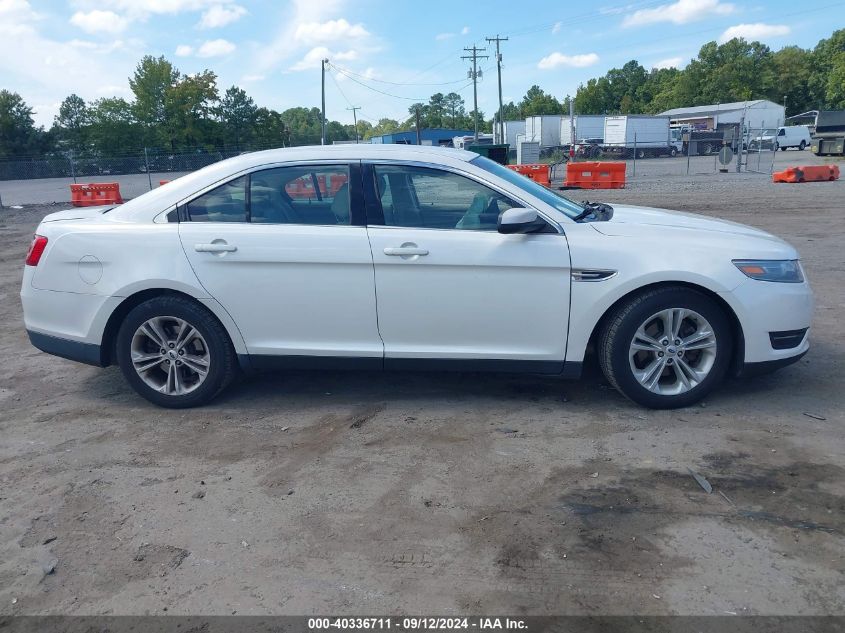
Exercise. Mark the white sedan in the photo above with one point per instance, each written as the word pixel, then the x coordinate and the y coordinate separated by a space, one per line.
pixel 406 257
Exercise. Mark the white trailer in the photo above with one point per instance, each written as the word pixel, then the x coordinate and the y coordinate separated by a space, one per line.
pixel 512 129
pixel 638 135
pixel 544 129
pixel 587 126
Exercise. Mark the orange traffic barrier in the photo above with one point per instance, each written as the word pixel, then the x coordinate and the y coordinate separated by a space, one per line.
pixel 595 175
pixel 539 173
pixel 162 182
pixel 807 173
pixel 95 194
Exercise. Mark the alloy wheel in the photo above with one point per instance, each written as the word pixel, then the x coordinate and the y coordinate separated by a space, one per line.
pixel 170 355
pixel 672 351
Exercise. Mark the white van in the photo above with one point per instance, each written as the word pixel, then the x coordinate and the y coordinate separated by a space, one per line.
pixel 792 136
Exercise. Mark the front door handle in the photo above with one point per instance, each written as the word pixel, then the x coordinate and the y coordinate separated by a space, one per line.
pixel 406 250
pixel 215 247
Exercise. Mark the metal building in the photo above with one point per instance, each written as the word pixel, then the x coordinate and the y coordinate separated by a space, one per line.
pixel 759 113
pixel 429 136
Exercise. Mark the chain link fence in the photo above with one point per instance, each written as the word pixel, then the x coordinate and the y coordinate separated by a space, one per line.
pixel 47 179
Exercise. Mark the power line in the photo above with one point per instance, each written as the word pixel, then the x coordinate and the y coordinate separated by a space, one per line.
pixel 397 83
pixel 475 74
pixel 498 39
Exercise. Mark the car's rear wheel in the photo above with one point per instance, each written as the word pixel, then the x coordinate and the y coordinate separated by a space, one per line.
pixel 174 352
pixel 802 145
pixel 666 348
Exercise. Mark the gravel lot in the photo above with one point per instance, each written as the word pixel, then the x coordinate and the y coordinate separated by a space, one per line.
pixel 367 493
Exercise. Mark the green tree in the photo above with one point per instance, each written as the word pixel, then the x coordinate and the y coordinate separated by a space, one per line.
pixel 70 126
pixel 384 126
pixel 18 134
pixel 150 84
pixel 303 125
pixel 237 113
pixel 269 129
pixel 536 102
pixel 112 126
pixel 189 104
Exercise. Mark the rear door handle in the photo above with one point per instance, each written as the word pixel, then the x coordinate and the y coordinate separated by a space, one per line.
pixel 215 247
pixel 405 251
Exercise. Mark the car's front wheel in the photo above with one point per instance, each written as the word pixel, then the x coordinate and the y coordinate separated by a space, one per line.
pixel 174 352
pixel 666 347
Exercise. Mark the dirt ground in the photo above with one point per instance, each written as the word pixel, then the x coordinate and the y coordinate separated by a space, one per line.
pixel 364 493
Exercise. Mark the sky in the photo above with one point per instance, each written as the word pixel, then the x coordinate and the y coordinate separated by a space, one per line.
pixel 384 54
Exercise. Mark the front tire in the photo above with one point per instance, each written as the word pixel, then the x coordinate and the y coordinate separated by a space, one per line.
pixel 666 348
pixel 802 146
pixel 174 352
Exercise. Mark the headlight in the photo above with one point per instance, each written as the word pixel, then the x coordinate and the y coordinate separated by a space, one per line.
pixel 783 270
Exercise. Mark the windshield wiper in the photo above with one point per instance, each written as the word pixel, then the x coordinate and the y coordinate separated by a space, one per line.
pixel 600 211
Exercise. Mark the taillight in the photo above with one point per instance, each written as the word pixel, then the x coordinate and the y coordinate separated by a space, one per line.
pixel 36 249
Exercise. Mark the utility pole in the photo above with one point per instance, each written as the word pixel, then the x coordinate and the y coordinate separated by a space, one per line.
pixel 475 74
pixel 355 119
pixel 323 63
pixel 417 116
pixel 498 39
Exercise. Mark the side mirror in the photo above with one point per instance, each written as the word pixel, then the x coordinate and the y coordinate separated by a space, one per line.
pixel 518 220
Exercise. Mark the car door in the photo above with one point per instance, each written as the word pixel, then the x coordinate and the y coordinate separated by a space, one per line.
pixel 285 251
pixel 451 290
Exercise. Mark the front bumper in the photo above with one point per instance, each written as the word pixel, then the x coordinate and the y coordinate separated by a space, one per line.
pixel 766 312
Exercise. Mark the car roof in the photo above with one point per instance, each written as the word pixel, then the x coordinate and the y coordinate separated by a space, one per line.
pixel 162 198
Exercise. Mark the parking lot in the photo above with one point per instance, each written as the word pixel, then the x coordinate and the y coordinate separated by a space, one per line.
pixel 437 493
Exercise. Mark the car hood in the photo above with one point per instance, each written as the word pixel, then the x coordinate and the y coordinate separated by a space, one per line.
pixel 628 220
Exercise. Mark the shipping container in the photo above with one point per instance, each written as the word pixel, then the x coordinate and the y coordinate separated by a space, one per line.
pixel 544 129
pixel 638 135
pixel 587 126
pixel 512 128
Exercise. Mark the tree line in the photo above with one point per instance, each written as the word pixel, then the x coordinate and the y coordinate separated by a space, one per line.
pixel 178 112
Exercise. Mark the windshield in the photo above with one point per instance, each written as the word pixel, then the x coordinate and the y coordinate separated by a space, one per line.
pixel 564 205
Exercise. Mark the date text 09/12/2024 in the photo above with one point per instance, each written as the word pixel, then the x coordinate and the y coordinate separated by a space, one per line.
pixel 416 623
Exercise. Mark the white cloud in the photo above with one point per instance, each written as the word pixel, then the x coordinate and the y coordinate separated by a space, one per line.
pixel 312 58
pixel 141 9
pixel 215 48
pixel 183 50
pixel 680 12
pixel 557 27
pixel 298 18
pixel 98 47
pixel 330 31
pixel 556 60
pixel 19 10
pixel 671 62
pixel 756 31
pixel 465 30
pixel 220 15
pixel 444 36
pixel 99 21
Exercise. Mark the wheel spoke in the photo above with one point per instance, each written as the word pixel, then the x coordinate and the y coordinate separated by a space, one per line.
pixel 196 364
pixel 678 317
pixel 185 336
pixel 693 375
pixel 143 362
pixel 681 375
pixel 153 331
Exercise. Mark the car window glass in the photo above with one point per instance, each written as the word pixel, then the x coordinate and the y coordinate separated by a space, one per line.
pixel 226 203
pixel 300 195
pixel 434 199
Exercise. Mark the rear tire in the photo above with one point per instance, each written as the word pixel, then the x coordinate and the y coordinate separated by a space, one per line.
pixel 175 353
pixel 659 368
pixel 802 146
